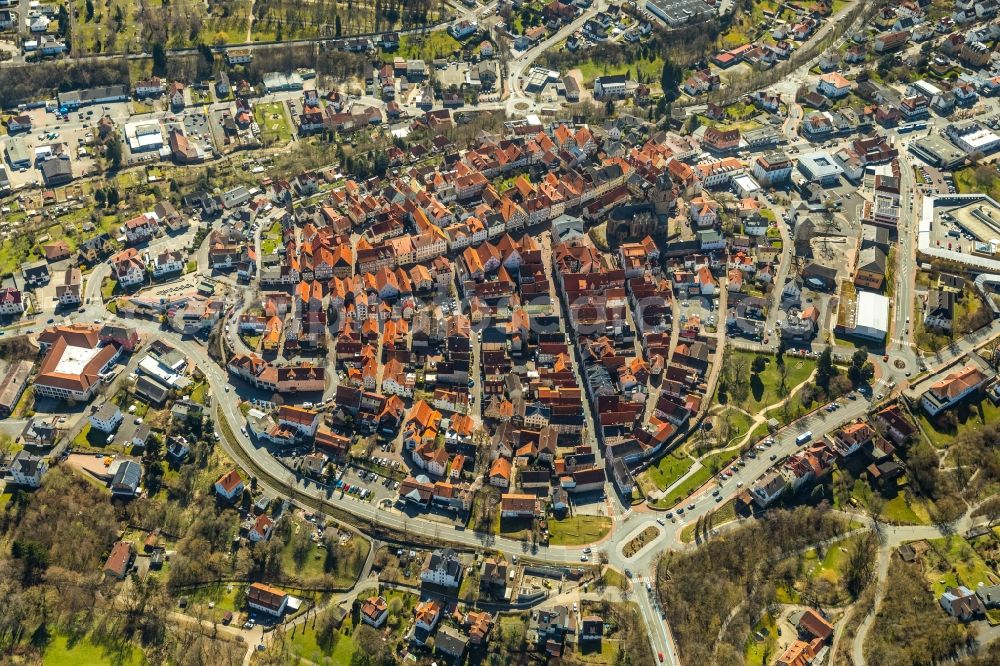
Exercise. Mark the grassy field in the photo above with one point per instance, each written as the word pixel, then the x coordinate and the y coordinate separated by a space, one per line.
pixel 306 644
pixel 311 565
pixel 974 180
pixel 110 28
pixel 724 514
pixel 273 122
pixel 578 530
pixel 764 387
pixel 755 651
pixel 739 423
pixel 62 652
pixel 513 528
pixel 895 510
pixel 271 240
pixel 831 567
pixel 643 70
pixel 710 466
pixel 438 44
pixel 611 578
pixel 214 601
pixel 953 561
pixel 198 393
pixel 669 468
pixel 972 416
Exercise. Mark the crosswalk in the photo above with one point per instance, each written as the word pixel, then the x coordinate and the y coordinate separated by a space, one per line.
pixel 622 517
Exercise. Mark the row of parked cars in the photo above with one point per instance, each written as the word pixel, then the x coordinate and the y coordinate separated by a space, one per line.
pixel 353 489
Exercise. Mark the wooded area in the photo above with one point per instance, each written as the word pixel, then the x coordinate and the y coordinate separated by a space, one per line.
pixel 910 627
pixel 715 594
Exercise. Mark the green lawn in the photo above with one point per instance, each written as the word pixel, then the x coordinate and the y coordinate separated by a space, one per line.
pixel 61 653
pixel 311 565
pixel 953 561
pixel 82 439
pixel 305 645
pixel 578 530
pixel 223 598
pixel 975 180
pixel 972 416
pixel 895 510
pixel 198 393
pixel 668 469
pixel 755 651
pixel 739 423
pixel 273 122
pixel 764 388
pixel 711 465
pixel 437 44
pixel 612 578
pixel 271 240
pixel 513 528
pixel 108 288
pixel 831 567
pixel 724 514
pixel 641 69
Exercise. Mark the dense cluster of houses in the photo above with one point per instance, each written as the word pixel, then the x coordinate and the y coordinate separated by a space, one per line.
pixel 362 263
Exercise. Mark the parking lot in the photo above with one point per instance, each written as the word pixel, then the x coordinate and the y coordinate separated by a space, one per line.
pixel 70 141
pixel 700 311
pixel 959 227
pixel 934 181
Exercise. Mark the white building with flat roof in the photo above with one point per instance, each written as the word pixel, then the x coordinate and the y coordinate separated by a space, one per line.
pixel 973 138
pixel 745 185
pixel 144 136
pixel 872 320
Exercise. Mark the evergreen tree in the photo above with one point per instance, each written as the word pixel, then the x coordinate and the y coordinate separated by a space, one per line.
pixel 824 369
pixel 159 59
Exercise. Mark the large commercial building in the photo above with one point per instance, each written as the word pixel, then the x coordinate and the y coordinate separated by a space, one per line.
pixel 144 136
pixel 973 138
pixel 680 12
pixel 872 320
pixel 18 154
pixel 75 363
pixel 937 152
pixel 820 168
pixel 953 388
pixel 74 99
